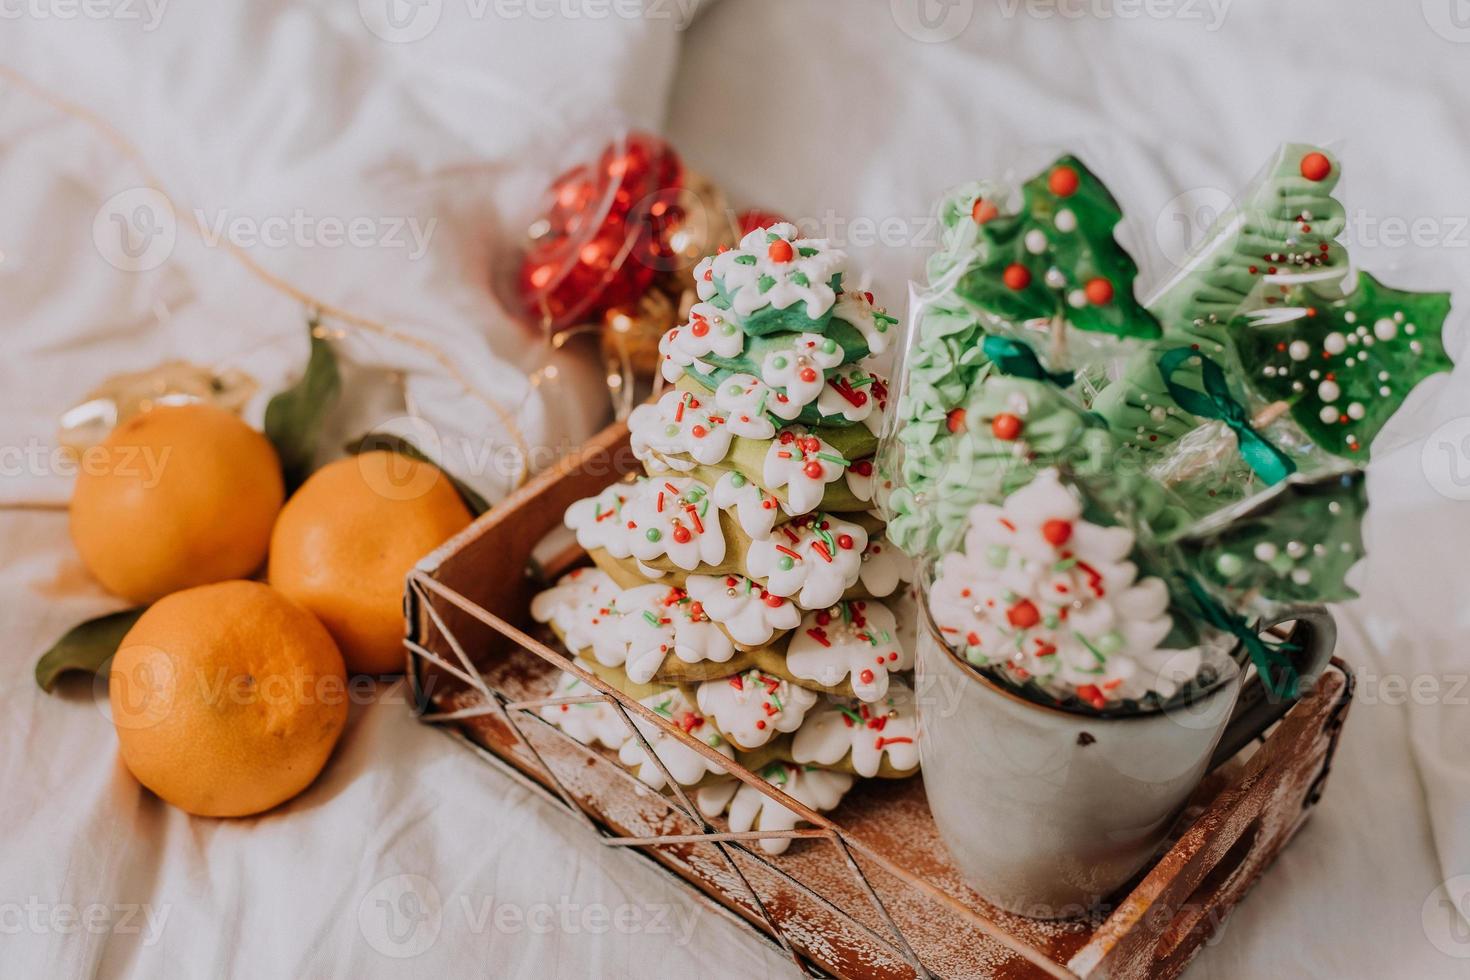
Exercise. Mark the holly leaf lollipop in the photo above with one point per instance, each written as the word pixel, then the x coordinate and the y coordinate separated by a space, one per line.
pixel 1345 364
pixel 1293 542
pixel 1056 259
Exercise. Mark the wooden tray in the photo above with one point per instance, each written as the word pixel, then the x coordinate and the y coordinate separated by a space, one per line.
pixel 873 893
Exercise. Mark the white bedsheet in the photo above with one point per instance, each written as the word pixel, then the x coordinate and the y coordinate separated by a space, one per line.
pixel 853 109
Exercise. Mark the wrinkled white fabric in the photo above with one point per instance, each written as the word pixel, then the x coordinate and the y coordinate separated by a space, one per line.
pixel 818 110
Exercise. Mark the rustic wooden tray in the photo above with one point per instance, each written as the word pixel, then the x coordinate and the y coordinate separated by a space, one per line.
pixel 872 893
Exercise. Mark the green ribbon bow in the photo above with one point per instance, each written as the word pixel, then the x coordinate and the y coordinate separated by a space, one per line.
pixel 1275 668
pixel 1019 360
pixel 1215 402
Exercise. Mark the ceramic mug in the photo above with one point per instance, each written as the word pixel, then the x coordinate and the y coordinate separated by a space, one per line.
pixel 1047 812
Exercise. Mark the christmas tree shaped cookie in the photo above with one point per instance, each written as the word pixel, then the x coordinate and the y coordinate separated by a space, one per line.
pixel 1054 262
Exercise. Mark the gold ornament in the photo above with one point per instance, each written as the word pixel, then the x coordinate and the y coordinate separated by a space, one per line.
pixel 708 224
pixel 123 396
pixel 630 334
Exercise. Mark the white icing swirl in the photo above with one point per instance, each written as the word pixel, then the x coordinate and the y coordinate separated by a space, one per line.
pixel 869 731
pixel 749 613
pixel 652 518
pixel 856 308
pixel 797 271
pixel 750 809
pixel 800 371
pixel 743 398
pixel 755 509
pixel 804 465
pixel 685 764
pixel 562 603
pixel 677 432
pixel 884 567
pixel 653 622
pixel 591 723
pixel 855 641
pixel 818 556
pixel 1048 596
pixel 752 707
pixel 709 331
pixel 860 479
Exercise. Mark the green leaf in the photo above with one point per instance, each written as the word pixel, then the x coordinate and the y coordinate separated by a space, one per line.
pixel 385 441
pixel 86 647
pixel 294 418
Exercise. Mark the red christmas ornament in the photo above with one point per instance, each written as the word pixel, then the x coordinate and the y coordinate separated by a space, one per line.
pixel 1316 166
pixel 602 238
pixel 1016 276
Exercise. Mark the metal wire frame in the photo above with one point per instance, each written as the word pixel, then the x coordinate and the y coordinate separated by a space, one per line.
pixel 426 589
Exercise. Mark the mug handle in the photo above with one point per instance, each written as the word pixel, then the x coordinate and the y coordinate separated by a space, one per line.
pixel 1313 637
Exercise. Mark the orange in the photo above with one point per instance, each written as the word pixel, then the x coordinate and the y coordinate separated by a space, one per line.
pixel 348 538
pixel 227 698
pixel 179 496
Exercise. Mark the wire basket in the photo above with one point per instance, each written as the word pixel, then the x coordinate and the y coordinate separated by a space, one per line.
pixel 868 891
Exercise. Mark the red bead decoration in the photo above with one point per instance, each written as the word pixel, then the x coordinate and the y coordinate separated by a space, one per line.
pixel 681 534
pixel 781 251
pixel 955 420
pixel 1005 426
pixel 1057 533
pixel 1099 291
pixel 1016 276
pixel 1023 615
pixel 699 327
pixel 1316 166
pixel 1063 181
pixel 844 541
pixel 983 211
pixel 813 470
pixel 808 375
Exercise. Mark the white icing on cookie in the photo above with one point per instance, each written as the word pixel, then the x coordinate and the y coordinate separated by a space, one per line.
pixel 818 556
pixel 743 399
pixel 800 371
pixel 751 707
pixel 673 517
pixel 1050 597
pixel 878 391
pixel 755 509
pixel 749 613
pixel 884 567
pixel 869 731
pixel 592 723
pixel 655 621
pixel 855 641
pixel 562 603
pixel 685 764
pixel 860 479
pixel 709 331
pixel 772 267
pixel 877 327
pixel 750 809
pixel 847 394
pixel 599 523
pixel 804 465
pixel 678 431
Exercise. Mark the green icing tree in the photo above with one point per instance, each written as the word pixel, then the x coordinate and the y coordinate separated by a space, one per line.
pixel 1056 259
pixel 1281 234
pixel 1344 363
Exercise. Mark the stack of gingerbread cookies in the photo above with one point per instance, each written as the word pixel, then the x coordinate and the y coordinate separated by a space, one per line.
pixel 743 587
